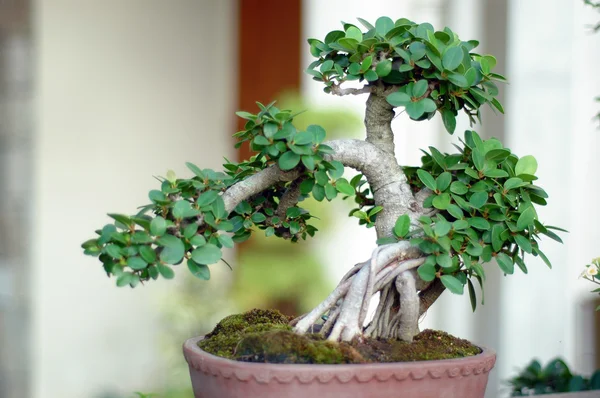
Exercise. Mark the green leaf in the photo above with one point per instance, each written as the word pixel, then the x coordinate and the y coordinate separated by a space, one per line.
pixel 415 109
pixel 458 188
pixel 443 181
pixel 505 263
pixel 354 33
pixel 124 279
pixel 226 241
pixel 543 256
pixel 198 240
pixel 458 79
pixel 427 179
pixel 497 105
pixel 452 283
pixel 140 237
pixel 455 211
pixel 384 25
pixel 258 218
pixel 444 260
pixel 523 243
pixel 420 88
pixel 471 76
pixel 148 254
pixel 398 99
pixel 442 227
pixel 337 170
pixel 318 192
pixel 261 141
pixel 306 186
pixel 472 295
pixel 318 133
pixel 478 159
pixel 366 24
pixel 479 223
pixel 442 201
pixel 288 160
pixel 173 249
pixel 478 199
pixel 449 120
pixel 303 138
pixel 343 186
pixel 326 66
pixel 158 226
pixel 526 218
pixel 207 198
pixel 123 219
pixel 513 183
pixel 166 271
pixel 207 254
pixel 519 261
pixel 330 192
pixel 526 165
pixel 497 240
pixel 452 58
pixel 427 272
pixel 402 226
pixel 199 270
pixel 157 196
pixel 417 50
pixel 366 63
pixel 371 75
pixel 195 169
pixel 136 263
pixel 383 68
pixel 428 105
pixel 308 161
pixel 460 224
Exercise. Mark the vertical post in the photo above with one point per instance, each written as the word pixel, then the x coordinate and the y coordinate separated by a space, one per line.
pixel 269 39
pixel 16 96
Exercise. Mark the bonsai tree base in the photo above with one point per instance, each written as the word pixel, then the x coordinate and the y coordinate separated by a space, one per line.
pixel 214 377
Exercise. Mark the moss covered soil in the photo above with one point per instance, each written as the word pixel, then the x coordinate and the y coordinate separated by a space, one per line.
pixel 266 336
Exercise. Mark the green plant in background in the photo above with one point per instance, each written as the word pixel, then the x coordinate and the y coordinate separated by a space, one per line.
pixel 437 225
pixel 555 377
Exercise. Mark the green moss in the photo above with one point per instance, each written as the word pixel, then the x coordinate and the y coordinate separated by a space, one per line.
pixel 224 338
pixel 288 347
pixel 265 336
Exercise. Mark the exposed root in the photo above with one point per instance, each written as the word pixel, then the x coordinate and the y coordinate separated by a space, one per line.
pixel 390 270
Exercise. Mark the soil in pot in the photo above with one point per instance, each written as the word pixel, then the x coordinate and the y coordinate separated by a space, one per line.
pixel 266 336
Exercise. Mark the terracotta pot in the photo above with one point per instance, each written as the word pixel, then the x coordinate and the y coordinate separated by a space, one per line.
pixel 215 377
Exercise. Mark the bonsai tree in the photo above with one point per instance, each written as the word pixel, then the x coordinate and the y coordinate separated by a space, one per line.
pixel 437 224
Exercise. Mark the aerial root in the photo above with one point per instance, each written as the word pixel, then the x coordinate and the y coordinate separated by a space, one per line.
pixel 391 271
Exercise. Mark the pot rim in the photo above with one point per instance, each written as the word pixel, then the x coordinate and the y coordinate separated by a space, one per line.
pixel 190 347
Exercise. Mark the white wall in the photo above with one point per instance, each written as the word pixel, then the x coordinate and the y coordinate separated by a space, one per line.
pixel 126 90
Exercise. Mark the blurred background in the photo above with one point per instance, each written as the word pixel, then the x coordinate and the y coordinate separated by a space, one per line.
pixel 96 97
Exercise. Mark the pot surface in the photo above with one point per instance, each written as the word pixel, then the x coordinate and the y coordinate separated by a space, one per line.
pixel 215 377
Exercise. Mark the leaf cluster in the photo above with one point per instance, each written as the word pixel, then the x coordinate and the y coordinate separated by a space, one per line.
pixel 555 377
pixel 431 70
pixel 188 220
pixel 484 200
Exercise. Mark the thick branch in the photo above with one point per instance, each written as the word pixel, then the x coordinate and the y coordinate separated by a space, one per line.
pixel 337 90
pixel 386 179
pixel 255 184
pixel 378 121
pixel 289 199
pixel 429 295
